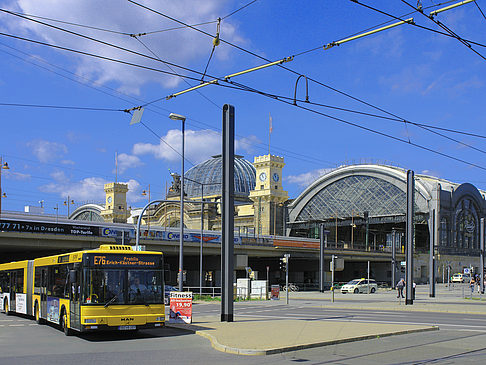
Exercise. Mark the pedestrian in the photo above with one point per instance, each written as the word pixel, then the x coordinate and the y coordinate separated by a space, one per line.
pixel 400 286
pixel 472 282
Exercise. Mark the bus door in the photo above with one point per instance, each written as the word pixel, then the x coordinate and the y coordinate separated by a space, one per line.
pixel 13 291
pixel 43 292
pixel 75 298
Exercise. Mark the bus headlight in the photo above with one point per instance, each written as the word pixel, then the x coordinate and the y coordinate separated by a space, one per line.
pixel 159 319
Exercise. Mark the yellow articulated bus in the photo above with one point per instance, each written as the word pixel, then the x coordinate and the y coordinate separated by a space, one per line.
pixel 112 287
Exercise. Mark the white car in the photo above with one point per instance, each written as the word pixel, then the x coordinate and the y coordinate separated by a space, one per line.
pixel 359 286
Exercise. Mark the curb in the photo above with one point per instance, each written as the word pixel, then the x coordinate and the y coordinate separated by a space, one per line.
pixel 253 352
pixel 404 309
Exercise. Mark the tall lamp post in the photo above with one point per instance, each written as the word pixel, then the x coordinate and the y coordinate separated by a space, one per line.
pixel 181 232
pixel 67 202
pixel 144 193
pixel 3 166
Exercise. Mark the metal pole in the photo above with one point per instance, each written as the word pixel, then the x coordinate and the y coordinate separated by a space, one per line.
pixel 181 220
pixel 394 260
pixel 432 259
pixel 481 251
pixel 287 256
pixel 410 235
pixel 332 277
pixel 368 276
pixel 227 214
pixel 321 260
pixel 366 216
pixel 201 242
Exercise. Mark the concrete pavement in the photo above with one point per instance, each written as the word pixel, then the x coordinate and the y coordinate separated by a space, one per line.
pixel 263 336
pixel 252 336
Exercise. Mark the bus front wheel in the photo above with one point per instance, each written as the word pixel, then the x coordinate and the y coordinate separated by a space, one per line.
pixel 64 325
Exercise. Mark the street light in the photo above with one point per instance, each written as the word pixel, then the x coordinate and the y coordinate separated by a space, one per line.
pixel 3 166
pixel 144 193
pixel 181 233
pixel 68 202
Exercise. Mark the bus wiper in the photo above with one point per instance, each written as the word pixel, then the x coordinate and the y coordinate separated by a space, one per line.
pixel 111 300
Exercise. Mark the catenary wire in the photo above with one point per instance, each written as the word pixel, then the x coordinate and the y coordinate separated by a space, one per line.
pixel 133 2
pixel 448 30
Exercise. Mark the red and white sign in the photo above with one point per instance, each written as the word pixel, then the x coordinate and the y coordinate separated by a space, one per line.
pixel 275 294
pixel 180 307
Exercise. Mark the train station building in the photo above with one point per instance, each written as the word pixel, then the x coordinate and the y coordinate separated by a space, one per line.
pixel 362 208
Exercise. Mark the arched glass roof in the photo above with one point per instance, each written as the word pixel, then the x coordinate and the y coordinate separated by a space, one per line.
pixel 355 194
pixel 209 173
pixel 89 215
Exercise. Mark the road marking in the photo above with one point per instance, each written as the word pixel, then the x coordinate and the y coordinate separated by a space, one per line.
pixel 15 325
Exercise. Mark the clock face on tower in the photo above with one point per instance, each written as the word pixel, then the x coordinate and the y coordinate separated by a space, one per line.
pixel 275 177
pixel 263 176
pixel 109 199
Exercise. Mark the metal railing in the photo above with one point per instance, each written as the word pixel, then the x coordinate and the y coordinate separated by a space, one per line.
pixel 214 291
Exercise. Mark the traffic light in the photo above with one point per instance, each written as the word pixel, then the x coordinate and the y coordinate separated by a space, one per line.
pixel 283 263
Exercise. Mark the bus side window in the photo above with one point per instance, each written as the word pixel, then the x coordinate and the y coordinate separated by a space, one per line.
pixel 20 281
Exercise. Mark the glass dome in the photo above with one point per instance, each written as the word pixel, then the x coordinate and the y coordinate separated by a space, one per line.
pixel 209 174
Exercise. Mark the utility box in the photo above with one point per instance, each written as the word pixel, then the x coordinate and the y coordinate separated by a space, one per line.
pixel 243 288
pixel 259 289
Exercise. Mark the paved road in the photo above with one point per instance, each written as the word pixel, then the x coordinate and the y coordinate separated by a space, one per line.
pixel 311 311
pixel 461 340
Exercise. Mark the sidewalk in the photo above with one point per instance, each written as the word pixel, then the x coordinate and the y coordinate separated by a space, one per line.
pixel 265 337
pixel 445 301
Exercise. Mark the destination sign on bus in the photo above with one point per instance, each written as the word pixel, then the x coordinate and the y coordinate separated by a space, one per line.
pixel 129 261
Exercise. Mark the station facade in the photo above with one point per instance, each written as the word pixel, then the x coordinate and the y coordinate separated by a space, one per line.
pixel 362 208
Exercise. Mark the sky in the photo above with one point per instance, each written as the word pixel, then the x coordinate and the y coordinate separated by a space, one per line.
pixel 387 83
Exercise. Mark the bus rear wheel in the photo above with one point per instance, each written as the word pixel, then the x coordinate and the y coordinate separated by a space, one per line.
pixel 64 326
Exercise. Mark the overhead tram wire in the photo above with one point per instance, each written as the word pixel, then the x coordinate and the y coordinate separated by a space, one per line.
pixel 62 107
pixel 295 72
pixel 447 29
pixel 102 42
pixel 302 157
pixel 93 55
pixel 145 55
pixel 416 25
pixel 108 30
pixel 375 131
pixel 183 79
pixel 237 10
pixel 484 16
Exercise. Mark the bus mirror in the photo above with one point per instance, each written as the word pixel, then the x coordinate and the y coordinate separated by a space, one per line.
pixel 73 276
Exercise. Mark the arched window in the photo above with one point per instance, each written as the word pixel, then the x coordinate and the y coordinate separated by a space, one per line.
pixel 466 224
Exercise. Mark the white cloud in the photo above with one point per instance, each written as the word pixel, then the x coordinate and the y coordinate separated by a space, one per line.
pixel 126 161
pixel 59 176
pixel 46 151
pixel 125 17
pixel 307 178
pixel 68 162
pixel 88 189
pixel 199 146
pixel 247 144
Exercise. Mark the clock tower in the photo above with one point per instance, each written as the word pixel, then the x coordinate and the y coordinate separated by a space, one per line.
pixel 116 203
pixel 268 196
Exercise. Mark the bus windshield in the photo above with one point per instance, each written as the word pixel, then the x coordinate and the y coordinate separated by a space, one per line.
pixel 122 286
